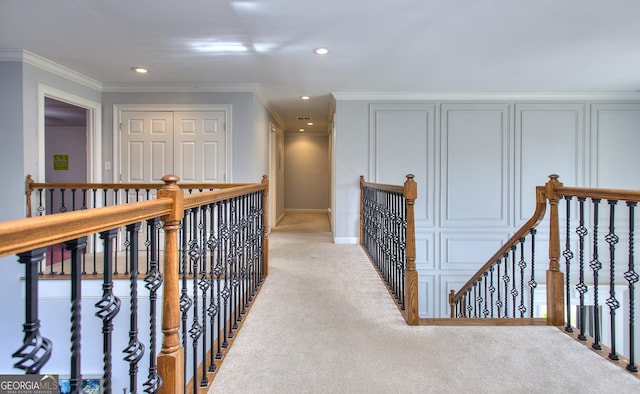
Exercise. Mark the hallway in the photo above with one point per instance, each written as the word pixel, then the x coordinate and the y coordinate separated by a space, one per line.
pixel 324 323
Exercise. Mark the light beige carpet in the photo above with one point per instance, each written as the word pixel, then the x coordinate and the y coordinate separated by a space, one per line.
pixel 324 323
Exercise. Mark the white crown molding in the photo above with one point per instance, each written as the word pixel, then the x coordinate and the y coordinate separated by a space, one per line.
pixel 484 96
pixel 22 55
pixel 181 87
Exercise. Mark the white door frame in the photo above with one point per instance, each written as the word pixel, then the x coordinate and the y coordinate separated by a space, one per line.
pixel 94 130
pixel 117 116
pixel 273 174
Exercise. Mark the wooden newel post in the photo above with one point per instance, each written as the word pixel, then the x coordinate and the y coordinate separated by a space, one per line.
pixel 28 189
pixel 361 209
pixel 411 275
pixel 555 278
pixel 265 205
pixel 171 357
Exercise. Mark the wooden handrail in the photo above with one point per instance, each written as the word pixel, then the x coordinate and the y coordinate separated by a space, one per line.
pixel 21 235
pixel 535 219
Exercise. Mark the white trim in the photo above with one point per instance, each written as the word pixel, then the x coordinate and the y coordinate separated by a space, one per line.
pixel 226 108
pixel 321 210
pixel 21 55
pixel 94 130
pixel 484 96
pixel 182 87
pixel 346 241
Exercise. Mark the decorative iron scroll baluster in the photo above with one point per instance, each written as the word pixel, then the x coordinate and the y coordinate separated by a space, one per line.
pixel 36 349
pixel 153 281
pixel 194 257
pixel 595 265
pixel 185 300
pixel 581 286
pixel 568 255
pixel 235 230
pixel 506 279
pixel 532 281
pixel 514 291
pixel 63 208
pixel 226 272
pixel 485 310
pixel 203 284
pixel 632 277
pixel 475 299
pixel 135 350
pixel 522 264
pixel 219 271
pixel 469 300
pixel 108 306
pixel 77 248
pixel 613 304
pixel 213 309
pixel 498 277
pixel 492 290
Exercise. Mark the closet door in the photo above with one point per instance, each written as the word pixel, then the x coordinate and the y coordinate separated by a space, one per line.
pixel 146 146
pixel 199 146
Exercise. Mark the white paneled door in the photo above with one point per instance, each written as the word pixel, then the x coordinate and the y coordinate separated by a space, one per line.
pixel 189 144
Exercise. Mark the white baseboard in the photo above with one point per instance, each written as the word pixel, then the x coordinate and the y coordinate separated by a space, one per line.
pixel 346 240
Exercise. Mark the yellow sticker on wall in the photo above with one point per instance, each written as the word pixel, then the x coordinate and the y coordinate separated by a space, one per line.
pixel 61 162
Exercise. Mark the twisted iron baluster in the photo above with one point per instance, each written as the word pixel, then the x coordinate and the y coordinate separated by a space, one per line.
pixel 135 350
pixel 153 281
pixel 77 248
pixel 108 306
pixel 581 230
pixel 532 281
pixel 36 349
pixel 595 265
pixel 613 304
pixel 632 277
pixel 568 255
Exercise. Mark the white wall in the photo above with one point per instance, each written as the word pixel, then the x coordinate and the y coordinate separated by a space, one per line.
pixel 477 163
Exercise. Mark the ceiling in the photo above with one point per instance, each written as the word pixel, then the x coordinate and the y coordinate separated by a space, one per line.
pixel 377 46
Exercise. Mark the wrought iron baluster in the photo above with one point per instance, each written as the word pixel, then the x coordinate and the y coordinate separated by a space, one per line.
pixel 226 272
pixel 108 306
pixel 468 302
pixel 522 264
pixel 135 350
pixel 596 265
pixel 506 279
pixel 514 290
pixel 62 208
pixel 203 284
pixel 95 237
pixel 613 304
pixel 498 277
pixel 568 255
pixel 532 281
pixel 153 281
pixel 632 277
pixel 212 310
pixel 36 349
pixel 220 271
pixel 185 300
pixel 581 286
pixel 492 290
pixel 77 248
pixel 194 256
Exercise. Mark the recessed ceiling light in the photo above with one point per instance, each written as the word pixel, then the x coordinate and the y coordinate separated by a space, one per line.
pixel 140 70
pixel 321 51
pixel 305 97
pixel 310 124
pixel 300 129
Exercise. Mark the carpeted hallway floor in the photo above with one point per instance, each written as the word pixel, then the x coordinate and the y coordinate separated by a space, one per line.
pixel 324 323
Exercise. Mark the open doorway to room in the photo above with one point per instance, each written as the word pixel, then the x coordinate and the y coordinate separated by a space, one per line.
pixel 65 150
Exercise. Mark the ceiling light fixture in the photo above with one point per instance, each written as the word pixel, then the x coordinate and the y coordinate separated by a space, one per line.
pixel 300 129
pixel 321 51
pixel 310 124
pixel 140 70
pixel 305 98
pixel 221 47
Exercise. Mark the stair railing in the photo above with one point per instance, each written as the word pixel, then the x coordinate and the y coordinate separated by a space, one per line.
pixel 228 257
pixel 387 234
pixel 585 265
